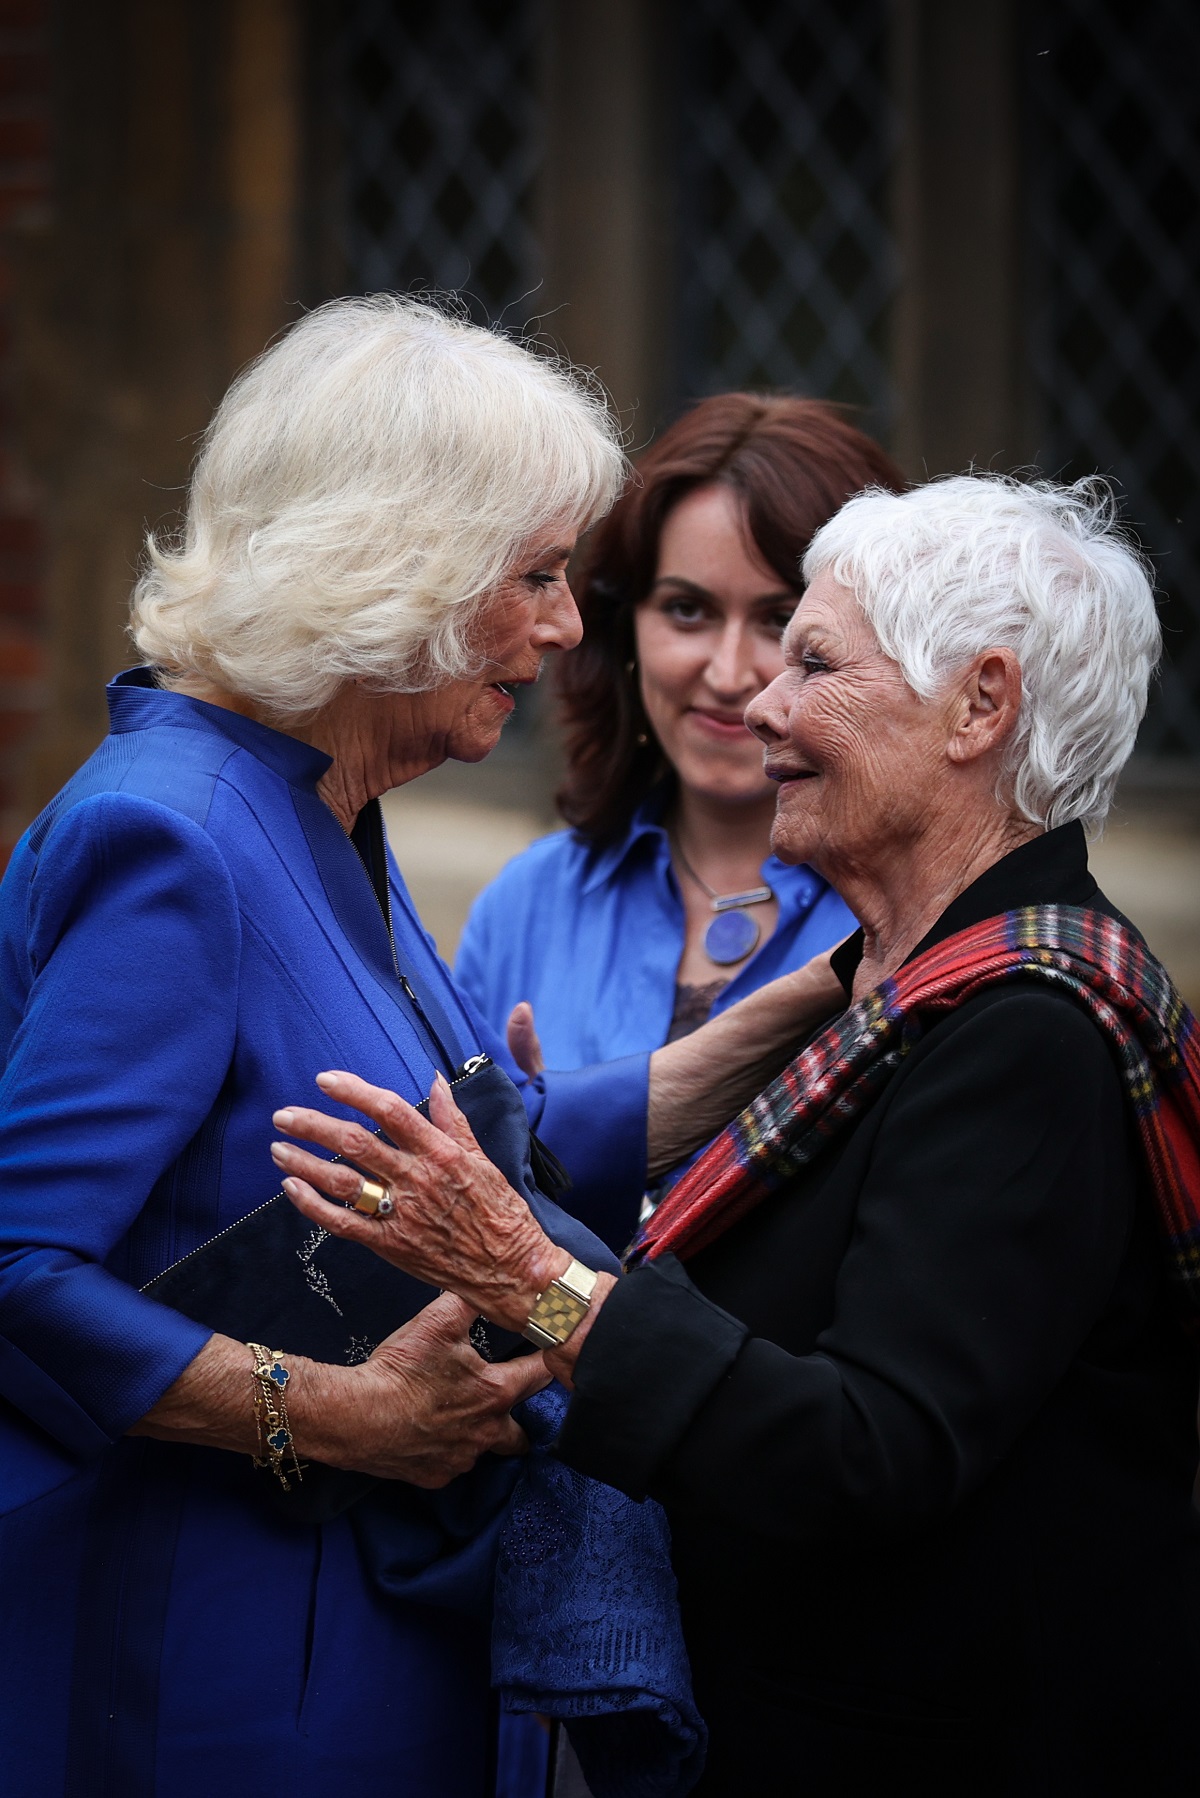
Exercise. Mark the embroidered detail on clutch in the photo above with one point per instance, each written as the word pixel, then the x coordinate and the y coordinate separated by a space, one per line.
pixel 314 1277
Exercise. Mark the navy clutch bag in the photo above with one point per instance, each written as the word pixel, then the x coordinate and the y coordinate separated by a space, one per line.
pixel 276 1278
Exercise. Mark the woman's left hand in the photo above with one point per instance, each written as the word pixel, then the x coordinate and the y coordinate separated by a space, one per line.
pixel 456 1221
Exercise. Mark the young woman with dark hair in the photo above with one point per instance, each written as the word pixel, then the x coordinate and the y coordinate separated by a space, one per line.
pixel 663 904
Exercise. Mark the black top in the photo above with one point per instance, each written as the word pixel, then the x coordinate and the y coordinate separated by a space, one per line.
pixel 924 1425
pixel 693 1007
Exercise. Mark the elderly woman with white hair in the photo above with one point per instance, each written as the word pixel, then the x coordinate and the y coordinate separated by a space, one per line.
pixel 204 918
pixel 902 1354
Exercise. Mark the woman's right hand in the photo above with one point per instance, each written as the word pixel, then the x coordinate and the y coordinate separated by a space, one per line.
pixel 524 1044
pixel 423 1408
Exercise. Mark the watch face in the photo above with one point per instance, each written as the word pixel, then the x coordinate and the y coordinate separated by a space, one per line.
pixel 558 1311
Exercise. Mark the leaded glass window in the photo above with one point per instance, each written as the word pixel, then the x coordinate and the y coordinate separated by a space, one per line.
pixel 442 134
pixel 787 150
pixel 1115 183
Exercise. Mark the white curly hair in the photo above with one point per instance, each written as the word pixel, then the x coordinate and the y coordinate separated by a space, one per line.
pixel 975 562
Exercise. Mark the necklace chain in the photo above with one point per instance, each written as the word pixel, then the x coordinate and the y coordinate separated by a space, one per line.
pixel 721 901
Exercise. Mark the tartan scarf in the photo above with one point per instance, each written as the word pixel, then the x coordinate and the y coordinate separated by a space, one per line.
pixel 1083 953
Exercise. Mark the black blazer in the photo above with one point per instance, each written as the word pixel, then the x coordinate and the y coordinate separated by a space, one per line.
pixel 924 1425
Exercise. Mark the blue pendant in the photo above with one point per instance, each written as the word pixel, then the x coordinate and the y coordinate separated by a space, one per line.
pixel 730 937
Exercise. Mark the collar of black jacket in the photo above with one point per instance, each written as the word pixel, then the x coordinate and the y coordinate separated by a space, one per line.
pixel 1048 870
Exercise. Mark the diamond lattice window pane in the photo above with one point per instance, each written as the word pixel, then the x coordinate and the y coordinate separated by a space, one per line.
pixel 1115 177
pixel 788 142
pixel 442 146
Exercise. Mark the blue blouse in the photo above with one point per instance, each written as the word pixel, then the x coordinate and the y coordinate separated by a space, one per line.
pixel 187 936
pixel 593 939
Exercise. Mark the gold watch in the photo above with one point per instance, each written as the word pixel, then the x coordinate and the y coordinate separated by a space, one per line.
pixel 562 1307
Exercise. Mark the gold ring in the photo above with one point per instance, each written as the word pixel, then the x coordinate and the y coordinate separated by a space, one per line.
pixel 374 1199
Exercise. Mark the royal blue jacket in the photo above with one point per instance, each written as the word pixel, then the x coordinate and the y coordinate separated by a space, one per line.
pixel 187 936
pixel 593 938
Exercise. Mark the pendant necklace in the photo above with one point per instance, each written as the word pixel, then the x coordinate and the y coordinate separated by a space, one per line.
pixel 733 933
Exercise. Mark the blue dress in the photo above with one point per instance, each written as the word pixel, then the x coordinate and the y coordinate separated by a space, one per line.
pixel 593 938
pixel 187 936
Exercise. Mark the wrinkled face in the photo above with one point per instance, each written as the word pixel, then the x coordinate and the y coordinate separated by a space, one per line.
pixel 708 640
pixel 533 612
pixel 858 757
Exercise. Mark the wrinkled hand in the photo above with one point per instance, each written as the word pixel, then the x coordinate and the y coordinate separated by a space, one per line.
pixel 457 1222
pixel 422 1409
pixel 524 1044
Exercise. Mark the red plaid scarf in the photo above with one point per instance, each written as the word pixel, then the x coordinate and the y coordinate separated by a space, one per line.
pixel 1092 957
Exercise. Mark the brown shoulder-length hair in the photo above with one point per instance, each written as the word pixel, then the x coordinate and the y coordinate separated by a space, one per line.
pixel 794 462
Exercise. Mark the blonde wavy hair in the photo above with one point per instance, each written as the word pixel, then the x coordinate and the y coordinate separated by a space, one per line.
pixel 361 492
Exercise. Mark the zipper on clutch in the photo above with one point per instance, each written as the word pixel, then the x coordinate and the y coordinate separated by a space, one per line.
pixel 384 902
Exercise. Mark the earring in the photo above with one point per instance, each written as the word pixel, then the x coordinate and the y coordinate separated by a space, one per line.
pixel 629 667
pixel 641 739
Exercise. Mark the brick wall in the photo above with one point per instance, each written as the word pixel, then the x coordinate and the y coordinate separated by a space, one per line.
pixel 24 198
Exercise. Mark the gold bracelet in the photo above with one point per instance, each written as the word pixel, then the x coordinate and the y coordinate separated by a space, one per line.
pixel 269 1381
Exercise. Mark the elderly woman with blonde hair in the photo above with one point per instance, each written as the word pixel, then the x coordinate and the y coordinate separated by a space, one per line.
pixel 205 917
pixel 905 1356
